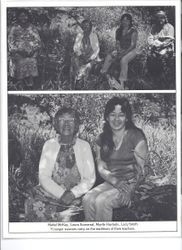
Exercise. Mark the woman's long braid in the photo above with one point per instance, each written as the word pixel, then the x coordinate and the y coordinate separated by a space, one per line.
pixel 107 143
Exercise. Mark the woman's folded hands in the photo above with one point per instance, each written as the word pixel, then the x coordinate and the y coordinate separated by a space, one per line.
pixel 67 198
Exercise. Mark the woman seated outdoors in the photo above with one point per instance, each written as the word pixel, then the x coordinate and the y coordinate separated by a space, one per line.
pixel 126 41
pixel 24 44
pixel 121 152
pixel 161 43
pixel 85 52
pixel 66 171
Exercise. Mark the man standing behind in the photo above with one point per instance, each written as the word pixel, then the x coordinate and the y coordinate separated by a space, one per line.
pixel 85 52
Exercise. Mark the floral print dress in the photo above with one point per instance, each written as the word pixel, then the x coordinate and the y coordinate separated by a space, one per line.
pixel 25 40
pixel 42 206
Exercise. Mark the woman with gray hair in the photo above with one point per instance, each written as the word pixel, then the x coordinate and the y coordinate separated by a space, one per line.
pixel 160 58
pixel 66 170
pixel 161 31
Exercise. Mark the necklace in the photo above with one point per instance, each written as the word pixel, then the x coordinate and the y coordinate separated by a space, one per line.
pixel 118 141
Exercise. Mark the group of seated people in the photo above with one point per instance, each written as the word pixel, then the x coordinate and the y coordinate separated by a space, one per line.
pixel 67 170
pixel 24 43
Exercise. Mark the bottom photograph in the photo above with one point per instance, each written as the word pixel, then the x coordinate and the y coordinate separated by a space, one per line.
pixel 92 157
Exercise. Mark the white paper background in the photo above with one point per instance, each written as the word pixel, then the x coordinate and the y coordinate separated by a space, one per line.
pixel 91 244
pixel 82 243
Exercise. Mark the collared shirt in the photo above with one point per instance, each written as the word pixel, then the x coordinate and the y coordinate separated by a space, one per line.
pixel 94 42
pixel 85 164
pixel 166 31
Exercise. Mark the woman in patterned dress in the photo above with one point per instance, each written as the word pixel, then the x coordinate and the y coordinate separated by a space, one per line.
pixel 24 44
pixel 66 171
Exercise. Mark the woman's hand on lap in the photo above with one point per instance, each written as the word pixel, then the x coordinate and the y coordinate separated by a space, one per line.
pixel 126 199
pixel 125 193
pixel 122 186
pixel 67 198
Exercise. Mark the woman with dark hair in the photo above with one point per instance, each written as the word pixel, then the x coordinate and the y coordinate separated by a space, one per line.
pixel 121 153
pixel 126 41
pixel 66 170
pixel 24 43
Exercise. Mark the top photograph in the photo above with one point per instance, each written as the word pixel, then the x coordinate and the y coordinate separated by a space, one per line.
pixel 91 48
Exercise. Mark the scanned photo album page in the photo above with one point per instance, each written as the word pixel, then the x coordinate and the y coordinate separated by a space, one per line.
pixel 91 119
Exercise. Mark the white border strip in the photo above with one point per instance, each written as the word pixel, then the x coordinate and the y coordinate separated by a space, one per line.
pixel 92 92
pixel 179 114
pixel 90 3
